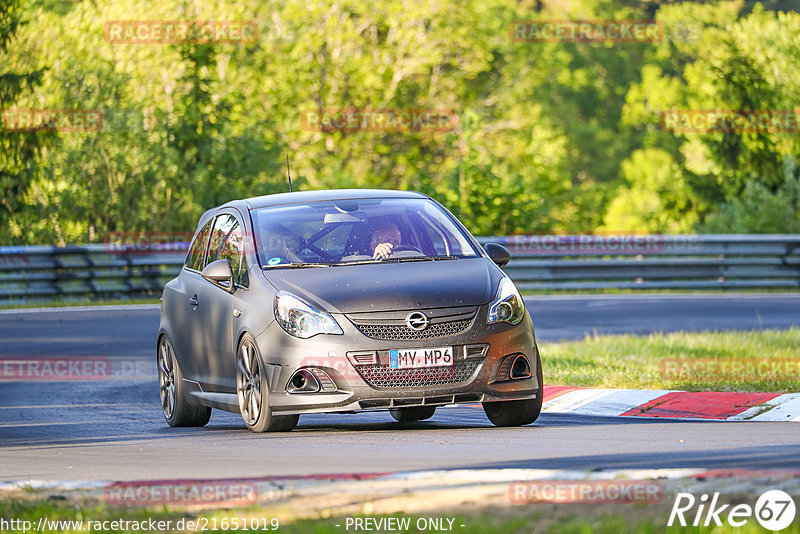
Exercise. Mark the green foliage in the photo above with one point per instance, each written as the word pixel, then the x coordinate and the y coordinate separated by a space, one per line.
pixel 760 210
pixel 656 197
pixel 715 57
pixel 550 137
pixel 18 150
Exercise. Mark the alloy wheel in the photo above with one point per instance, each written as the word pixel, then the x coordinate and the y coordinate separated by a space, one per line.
pixel 248 382
pixel 166 377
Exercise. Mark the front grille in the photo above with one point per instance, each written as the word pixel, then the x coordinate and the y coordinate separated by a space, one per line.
pixel 402 332
pixel 391 325
pixel 384 377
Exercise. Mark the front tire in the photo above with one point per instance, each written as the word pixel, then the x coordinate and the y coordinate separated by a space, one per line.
pixel 177 410
pixel 252 390
pixel 417 413
pixel 518 412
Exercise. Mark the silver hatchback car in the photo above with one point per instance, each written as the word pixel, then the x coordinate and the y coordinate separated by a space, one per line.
pixel 343 301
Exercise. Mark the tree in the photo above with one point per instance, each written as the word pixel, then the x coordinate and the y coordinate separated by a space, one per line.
pixel 720 57
pixel 18 149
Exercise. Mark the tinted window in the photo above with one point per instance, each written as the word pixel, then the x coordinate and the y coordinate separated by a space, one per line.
pixel 194 260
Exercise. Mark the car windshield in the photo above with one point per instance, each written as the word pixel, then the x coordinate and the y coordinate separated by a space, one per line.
pixel 355 231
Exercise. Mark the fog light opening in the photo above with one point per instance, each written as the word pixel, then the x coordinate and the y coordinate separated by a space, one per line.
pixel 299 381
pixel 303 381
pixel 520 368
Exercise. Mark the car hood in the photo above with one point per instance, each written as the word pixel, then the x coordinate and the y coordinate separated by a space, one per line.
pixel 392 286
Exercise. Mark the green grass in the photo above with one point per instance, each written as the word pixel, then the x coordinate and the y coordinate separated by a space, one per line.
pixel 679 360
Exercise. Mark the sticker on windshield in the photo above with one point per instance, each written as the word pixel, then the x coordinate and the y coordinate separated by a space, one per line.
pixel 274 261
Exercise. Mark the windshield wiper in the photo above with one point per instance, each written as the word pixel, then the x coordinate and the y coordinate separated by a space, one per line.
pixel 420 258
pixel 394 260
pixel 295 265
pixel 356 262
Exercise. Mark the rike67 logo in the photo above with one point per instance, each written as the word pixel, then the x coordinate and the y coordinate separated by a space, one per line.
pixel 774 510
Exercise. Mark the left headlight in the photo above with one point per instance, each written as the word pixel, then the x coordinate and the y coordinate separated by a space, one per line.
pixel 507 306
pixel 301 319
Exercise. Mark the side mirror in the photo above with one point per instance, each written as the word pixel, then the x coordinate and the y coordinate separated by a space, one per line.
pixel 220 273
pixel 498 254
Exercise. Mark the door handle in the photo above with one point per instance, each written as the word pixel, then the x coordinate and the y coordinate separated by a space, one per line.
pixel 193 301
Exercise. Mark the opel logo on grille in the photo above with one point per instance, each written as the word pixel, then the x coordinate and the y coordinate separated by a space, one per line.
pixel 417 321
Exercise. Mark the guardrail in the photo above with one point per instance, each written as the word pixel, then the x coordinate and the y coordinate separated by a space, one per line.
pixel 729 261
pixel 547 263
pixel 41 273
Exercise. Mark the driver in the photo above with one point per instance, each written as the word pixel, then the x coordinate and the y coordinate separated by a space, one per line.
pixel 385 237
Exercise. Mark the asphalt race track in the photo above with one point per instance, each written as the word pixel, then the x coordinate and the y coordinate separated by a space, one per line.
pixel 113 429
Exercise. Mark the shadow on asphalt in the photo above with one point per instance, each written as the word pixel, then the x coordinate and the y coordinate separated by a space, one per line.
pixel 92 426
pixel 765 457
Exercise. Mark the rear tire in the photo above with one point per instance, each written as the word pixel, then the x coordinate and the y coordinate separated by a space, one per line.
pixel 518 412
pixel 252 390
pixel 417 413
pixel 175 406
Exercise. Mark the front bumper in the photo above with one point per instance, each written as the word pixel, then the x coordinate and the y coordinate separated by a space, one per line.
pixel 474 378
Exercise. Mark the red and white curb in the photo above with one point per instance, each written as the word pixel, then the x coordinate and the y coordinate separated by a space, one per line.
pixel 706 405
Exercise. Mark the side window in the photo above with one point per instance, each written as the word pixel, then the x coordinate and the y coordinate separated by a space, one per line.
pixel 227 243
pixel 194 260
pixel 223 226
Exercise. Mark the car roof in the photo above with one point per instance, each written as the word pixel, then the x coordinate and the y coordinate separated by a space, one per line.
pixel 300 197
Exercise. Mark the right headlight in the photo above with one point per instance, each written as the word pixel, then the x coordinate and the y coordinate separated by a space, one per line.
pixel 507 307
pixel 301 319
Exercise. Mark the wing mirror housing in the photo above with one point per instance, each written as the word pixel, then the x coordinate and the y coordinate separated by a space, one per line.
pixel 220 273
pixel 498 254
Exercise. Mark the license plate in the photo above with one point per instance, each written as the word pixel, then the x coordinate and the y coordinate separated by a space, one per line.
pixel 421 358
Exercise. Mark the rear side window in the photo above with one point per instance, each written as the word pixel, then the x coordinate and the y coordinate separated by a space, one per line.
pixel 194 260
